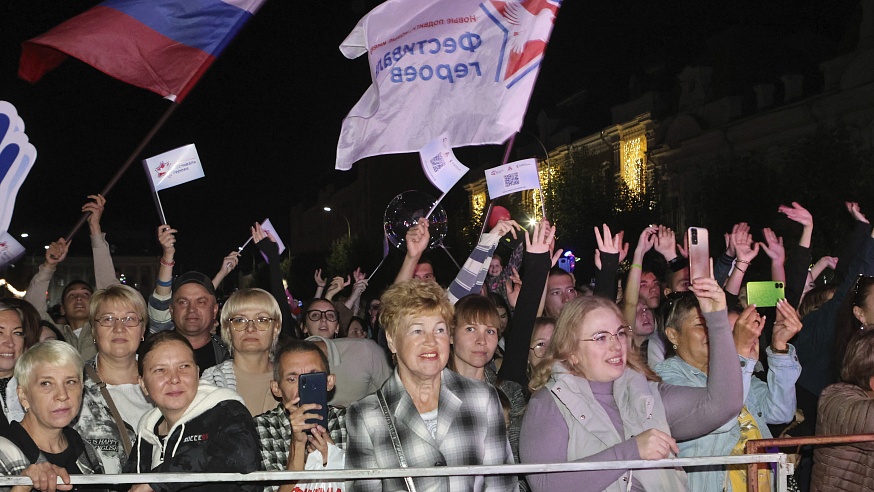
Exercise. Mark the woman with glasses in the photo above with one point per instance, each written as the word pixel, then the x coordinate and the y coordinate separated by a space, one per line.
pixel 540 337
pixel 321 319
pixel 596 400
pixel 113 401
pixel 688 364
pixel 250 324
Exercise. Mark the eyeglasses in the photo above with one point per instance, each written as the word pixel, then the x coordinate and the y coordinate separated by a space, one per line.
pixel 316 315
pixel 539 350
pixel 239 323
pixel 109 321
pixel 604 338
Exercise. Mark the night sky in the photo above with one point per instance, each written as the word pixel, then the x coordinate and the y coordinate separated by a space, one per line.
pixel 267 115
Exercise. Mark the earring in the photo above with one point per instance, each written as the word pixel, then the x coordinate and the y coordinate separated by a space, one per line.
pixel 674 346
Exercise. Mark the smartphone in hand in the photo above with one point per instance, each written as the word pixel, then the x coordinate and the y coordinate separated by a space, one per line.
pixel 766 293
pixel 313 388
pixel 698 241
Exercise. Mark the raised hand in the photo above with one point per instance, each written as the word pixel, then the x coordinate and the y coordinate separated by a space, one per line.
pixel 711 298
pixel 513 285
pixel 337 284
pixel 320 280
pixel 417 238
pixel 786 325
pixel 773 246
pixel 666 243
pixel 96 207
pixel 609 244
pixel 506 226
pixel 57 252
pixel 856 212
pixel 746 332
pixel 741 241
pixel 796 213
pixel 167 238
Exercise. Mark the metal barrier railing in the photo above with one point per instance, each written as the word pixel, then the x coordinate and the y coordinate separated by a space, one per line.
pixel 753 448
pixel 784 468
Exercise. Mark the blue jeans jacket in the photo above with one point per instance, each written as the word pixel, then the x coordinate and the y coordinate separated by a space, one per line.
pixel 771 403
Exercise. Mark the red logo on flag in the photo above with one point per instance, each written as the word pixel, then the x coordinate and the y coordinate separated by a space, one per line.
pixel 162 169
pixel 527 25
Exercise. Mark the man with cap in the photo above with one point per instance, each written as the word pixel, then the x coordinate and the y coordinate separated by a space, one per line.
pixel 76 296
pixel 191 306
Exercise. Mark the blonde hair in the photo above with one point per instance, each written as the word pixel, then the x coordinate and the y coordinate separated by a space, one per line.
pixel 258 299
pixel 118 294
pixel 52 352
pixel 414 297
pixel 564 341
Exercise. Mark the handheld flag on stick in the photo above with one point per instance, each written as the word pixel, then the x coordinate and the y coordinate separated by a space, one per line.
pixel 461 67
pixel 441 166
pixel 172 168
pixel 10 249
pixel 515 176
pixel 164 46
pixel 266 226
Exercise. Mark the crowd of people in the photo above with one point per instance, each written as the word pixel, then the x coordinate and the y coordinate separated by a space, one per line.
pixel 515 361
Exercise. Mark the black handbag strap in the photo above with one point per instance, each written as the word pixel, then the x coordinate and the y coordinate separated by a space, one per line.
pixel 396 442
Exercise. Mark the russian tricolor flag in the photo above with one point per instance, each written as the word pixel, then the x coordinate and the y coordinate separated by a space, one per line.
pixel 164 46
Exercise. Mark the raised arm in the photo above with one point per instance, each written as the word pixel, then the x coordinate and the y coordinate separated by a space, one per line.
pixel 271 249
pixel 610 253
pixel 745 249
pixel 773 247
pixel 229 262
pixel 631 294
pixel 104 270
pixel 417 239
pixel 473 273
pixel 535 266
pixel 778 396
pixel 693 412
pixel 39 284
pixel 159 300
pixel 798 260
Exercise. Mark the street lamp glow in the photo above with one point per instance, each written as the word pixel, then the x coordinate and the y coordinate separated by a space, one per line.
pixel 326 209
pixel 24 234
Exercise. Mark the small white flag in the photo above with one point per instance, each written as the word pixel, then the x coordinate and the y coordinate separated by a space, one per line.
pixel 440 164
pixel 10 249
pixel 173 168
pixel 512 177
pixel 266 226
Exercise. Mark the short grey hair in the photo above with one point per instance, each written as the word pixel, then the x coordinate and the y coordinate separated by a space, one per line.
pixel 52 352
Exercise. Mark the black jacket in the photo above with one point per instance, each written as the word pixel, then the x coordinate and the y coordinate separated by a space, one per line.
pixel 217 434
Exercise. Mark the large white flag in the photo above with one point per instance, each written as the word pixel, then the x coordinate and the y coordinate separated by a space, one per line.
pixel 173 168
pixel 461 67
pixel 512 177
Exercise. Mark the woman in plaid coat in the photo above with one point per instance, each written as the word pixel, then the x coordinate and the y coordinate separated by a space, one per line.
pixel 441 418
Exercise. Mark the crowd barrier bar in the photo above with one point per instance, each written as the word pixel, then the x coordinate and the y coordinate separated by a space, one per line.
pixel 754 446
pixel 784 468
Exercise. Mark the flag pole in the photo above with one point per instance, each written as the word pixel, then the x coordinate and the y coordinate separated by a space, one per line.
pixel 127 164
pixel 160 207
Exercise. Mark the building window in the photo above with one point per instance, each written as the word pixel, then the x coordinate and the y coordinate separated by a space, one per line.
pixel 633 169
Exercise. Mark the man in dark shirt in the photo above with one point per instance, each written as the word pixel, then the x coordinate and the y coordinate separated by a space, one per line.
pixel 193 308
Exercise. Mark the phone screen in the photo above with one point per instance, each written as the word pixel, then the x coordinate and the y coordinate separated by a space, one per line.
pixel 313 388
pixel 765 294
